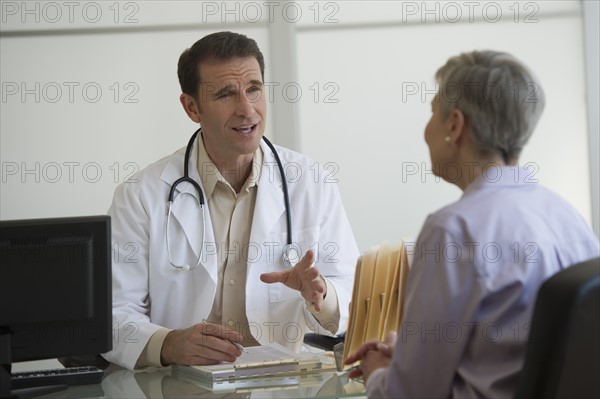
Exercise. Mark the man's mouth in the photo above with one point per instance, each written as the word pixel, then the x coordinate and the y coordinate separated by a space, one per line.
pixel 246 129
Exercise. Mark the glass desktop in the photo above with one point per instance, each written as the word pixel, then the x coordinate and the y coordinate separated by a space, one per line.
pixel 163 383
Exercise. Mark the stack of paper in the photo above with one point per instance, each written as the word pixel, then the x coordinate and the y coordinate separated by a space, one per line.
pixel 376 307
pixel 256 362
pixel 284 382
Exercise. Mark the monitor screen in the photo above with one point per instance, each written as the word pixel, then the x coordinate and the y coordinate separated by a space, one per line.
pixel 55 287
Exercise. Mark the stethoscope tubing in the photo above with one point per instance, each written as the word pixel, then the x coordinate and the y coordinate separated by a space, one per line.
pixel 291 260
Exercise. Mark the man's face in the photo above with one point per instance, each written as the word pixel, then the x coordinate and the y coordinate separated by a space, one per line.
pixel 232 108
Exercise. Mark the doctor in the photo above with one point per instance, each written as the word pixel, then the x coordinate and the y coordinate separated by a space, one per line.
pixel 220 276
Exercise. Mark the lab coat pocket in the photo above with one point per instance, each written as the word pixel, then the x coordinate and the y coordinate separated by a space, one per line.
pixel 303 240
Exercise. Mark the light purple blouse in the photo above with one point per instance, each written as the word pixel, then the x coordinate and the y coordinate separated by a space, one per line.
pixel 478 264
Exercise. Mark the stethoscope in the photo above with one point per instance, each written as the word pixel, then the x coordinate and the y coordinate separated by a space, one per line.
pixel 290 252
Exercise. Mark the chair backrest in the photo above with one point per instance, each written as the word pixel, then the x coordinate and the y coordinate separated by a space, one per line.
pixel 563 353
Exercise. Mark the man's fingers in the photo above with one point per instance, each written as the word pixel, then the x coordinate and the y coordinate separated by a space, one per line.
pixel 313 274
pixel 213 355
pixel 200 344
pixel 213 343
pixel 193 354
pixel 273 277
pixel 217 330
pixel 317 295
pixel 220 349
pixel 319 282
pixel 314 292
pixel 302 277
pixel 318 304
pixel 306 262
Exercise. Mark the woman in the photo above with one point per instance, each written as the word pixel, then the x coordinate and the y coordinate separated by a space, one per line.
pixel 479 261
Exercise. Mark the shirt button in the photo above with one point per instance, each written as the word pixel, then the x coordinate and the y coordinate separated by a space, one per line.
pixel 230 323
pixel 231 282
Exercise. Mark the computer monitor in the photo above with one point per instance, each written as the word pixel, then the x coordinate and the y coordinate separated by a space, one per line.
pixel 55 289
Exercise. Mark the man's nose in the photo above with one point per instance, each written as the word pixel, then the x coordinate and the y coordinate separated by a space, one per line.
pixel 244 106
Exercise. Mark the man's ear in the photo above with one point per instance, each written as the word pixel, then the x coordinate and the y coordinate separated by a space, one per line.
pixel 190 106
pixel 456 125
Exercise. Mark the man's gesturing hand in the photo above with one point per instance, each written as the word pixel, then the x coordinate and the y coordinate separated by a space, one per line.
pixel 302 277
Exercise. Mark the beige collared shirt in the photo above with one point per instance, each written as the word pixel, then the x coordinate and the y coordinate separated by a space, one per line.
pixel 232 214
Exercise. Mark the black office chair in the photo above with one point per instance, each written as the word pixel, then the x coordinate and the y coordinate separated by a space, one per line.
pixel 563 353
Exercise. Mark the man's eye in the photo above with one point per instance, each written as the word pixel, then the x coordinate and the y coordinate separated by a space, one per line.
pixel 224 96
pixel 254 93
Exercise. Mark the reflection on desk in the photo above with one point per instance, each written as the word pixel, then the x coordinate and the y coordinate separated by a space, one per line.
pixel 161 383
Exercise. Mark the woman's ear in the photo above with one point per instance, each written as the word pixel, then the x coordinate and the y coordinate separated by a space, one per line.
pixel 455 125
pixel 190 106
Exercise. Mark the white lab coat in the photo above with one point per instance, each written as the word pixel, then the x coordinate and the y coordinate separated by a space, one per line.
pixel 149 293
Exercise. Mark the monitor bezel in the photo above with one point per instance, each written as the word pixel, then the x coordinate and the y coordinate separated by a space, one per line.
pixel 76 337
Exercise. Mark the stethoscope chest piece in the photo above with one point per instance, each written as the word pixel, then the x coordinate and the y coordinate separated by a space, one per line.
pixel 291 255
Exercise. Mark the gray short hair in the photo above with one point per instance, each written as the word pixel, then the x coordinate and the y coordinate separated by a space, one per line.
pixel 501 99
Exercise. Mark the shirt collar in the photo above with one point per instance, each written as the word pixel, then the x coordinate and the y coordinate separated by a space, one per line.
pixel 505 176
pixel 257 162
pixel 210 175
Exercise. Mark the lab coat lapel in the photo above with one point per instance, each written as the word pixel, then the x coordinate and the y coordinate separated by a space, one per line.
pixel 270 204
pixel 191 222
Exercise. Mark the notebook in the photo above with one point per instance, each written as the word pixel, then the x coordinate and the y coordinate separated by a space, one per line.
pixel 272 360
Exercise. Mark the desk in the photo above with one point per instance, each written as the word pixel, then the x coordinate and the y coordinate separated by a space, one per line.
pixel 160 383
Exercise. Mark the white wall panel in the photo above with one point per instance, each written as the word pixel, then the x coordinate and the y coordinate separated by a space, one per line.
pixel 348 90
pixel 375 129
pixel 81 112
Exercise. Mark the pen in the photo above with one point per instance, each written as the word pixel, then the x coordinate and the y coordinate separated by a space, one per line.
pixel 351 369
pixel 240 347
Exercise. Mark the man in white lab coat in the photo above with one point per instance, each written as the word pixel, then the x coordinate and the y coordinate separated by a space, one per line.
pixel 238 288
